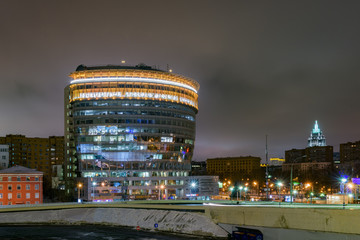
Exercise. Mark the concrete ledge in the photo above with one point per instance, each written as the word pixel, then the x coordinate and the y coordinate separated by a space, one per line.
pixel 171 221
pixel 312 219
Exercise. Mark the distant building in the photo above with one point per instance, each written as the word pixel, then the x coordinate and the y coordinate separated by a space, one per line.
pixel 36 153
pixel 234 168
pixel 349 159
pixel 21 185
pixel 201 187
pixel 276 161
pixel 309 163
pixel 350 152
pixel 316 137
pixel 4 156
pixel 309 155
pixel 198 168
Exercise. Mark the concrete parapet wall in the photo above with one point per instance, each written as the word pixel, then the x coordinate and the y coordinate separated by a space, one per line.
pixel 172 221
pixel 312 219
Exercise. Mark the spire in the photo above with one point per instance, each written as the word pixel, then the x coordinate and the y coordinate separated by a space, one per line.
pixel 316 128
pixel 316 137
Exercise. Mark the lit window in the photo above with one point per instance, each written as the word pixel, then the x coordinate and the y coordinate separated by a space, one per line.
pixel 9 195
pixel 27 195
pixel 36 195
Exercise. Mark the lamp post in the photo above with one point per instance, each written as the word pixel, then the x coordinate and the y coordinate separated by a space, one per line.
pixel 350 186
pixel 279 184
pixel 312 190
pixel 237 193
pixel 192 186
pixel 245 189
pixel 256 188
pixel 343 181
pixel 79 189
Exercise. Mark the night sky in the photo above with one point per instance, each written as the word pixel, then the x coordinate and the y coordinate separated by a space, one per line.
pixel 264 67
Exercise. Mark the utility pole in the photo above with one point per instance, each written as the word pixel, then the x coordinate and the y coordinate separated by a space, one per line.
pixel 267 169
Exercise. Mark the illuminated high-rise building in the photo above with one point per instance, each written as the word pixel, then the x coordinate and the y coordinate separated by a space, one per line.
pixel 316 139
pixel 129 130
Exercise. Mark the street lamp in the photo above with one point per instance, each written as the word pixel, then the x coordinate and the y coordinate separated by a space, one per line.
pixel 343 181
pixel 237 193
pixel 279 184
pixel 192 186
pixel 79 189
pixel 350 186
pixel 245 189
pixel 307 185
pixel 256 188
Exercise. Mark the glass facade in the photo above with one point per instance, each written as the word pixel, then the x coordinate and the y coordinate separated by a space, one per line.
pixel 130 122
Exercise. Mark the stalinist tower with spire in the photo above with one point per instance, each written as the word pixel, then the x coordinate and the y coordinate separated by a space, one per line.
pixel 316 137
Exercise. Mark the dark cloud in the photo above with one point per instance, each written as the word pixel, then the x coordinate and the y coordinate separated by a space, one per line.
pixel 264 67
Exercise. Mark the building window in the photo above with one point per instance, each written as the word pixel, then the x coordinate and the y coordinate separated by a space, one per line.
pixel 9 195
pixel 9 179
pixel 27 178
pixel 1 187
pixel 18 187
pixel 27 195
pixel 36 186
pixel 27 186
pixel 1 195
pixel 18 195
pixel 10 187
pixel 36 202
pixel 37 195
pixel 36 178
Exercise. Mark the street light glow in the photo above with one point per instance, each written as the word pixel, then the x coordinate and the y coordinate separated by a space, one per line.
pixel 343 180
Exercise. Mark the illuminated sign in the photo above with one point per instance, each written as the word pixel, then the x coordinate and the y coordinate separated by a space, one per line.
pixel 356 181
pixel 192 195
pixel 277 159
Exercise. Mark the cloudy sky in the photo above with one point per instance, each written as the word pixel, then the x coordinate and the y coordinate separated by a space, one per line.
pixel 265 67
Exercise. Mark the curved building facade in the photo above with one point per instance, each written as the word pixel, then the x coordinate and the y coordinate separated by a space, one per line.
pixel 129 131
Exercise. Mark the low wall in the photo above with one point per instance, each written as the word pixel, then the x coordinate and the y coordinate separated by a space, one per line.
pixel 172 221
pixel 311 219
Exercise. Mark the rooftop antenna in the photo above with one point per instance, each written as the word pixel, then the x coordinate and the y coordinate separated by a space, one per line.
pixel 168 68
